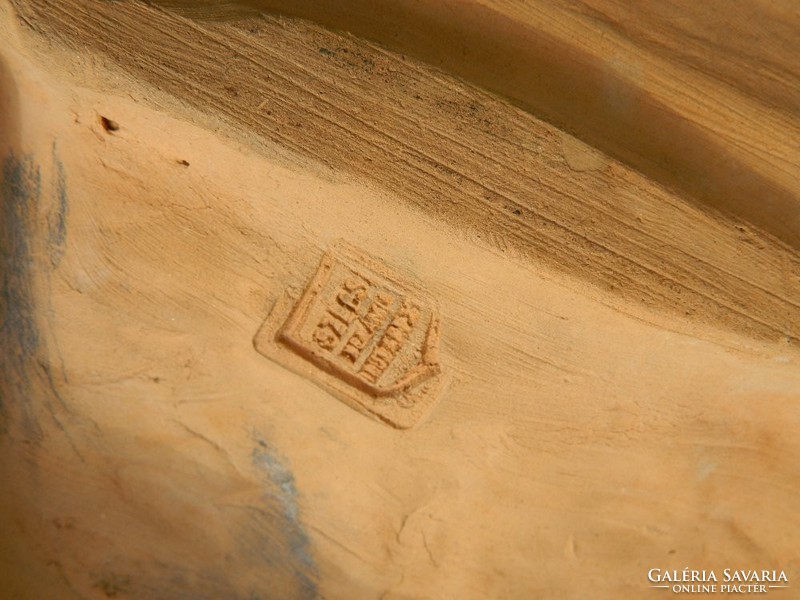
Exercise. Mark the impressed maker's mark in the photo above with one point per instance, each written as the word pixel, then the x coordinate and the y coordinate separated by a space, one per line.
pixel 371 335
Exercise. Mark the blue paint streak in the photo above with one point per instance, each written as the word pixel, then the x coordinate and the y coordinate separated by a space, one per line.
pixel 57 222
pixel 21 193
pixel 21 344
pixel 19 335
pixel 284 490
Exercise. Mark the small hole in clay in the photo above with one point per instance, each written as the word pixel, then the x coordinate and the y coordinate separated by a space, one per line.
pixel 108 124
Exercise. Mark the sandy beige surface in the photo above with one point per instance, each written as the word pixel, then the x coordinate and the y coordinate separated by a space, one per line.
pixel 619 360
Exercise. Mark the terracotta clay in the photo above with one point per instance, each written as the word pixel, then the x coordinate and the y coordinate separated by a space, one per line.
pixel 397 300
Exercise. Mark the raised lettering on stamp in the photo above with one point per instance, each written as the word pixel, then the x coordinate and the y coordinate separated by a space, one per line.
pixel 364 333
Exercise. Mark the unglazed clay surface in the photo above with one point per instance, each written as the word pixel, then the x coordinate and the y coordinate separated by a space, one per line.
pixel 397 300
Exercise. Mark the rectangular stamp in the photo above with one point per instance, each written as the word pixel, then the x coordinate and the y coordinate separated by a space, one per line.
pixel 362 332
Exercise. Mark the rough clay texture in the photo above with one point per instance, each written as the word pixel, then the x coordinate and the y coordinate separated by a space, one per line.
pixel 453 152
pixel 622 359
pixel 703 95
